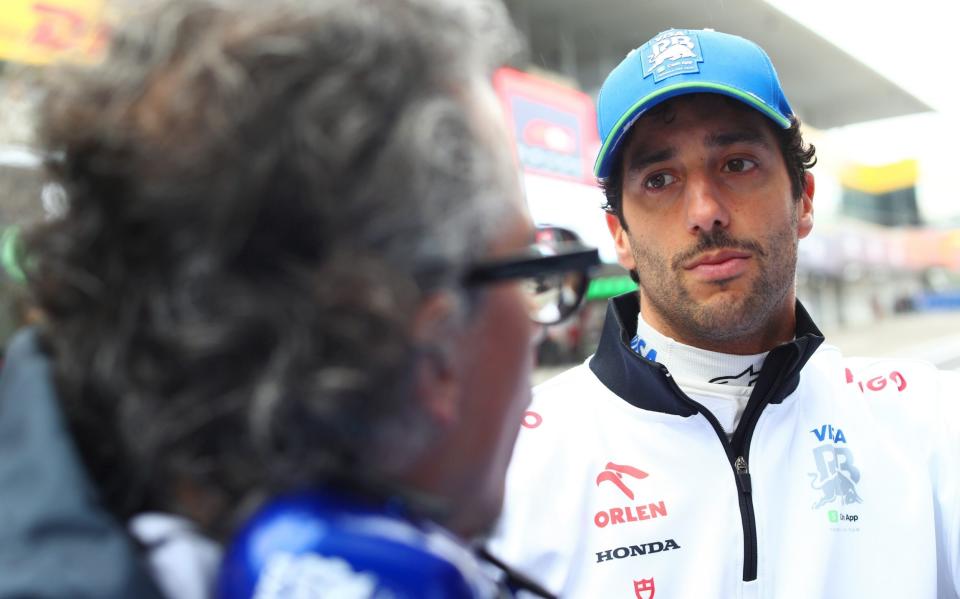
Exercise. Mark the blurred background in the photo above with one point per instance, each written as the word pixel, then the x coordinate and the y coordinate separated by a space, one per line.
pixel 871 83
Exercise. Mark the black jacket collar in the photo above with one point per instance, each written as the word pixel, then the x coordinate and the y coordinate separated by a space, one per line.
pixel 646 384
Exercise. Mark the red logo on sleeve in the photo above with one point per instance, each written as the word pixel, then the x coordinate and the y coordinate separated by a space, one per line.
pixel 531 419
pixel 878 383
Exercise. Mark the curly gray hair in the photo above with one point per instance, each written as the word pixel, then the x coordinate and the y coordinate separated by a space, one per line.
pixel 260 195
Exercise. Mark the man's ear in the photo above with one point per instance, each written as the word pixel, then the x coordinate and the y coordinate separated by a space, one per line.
pixel 621 240
pixel 805 220
pixel 437 374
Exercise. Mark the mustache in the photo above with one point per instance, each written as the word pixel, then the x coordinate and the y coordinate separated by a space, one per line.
pixel 717 239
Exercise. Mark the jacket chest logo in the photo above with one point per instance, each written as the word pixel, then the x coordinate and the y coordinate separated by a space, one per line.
pixel 644 588
pixel 623 478
pixel 836 475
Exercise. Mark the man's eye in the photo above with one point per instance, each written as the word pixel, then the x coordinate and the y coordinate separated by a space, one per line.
pixel 739 165
pixel 659 180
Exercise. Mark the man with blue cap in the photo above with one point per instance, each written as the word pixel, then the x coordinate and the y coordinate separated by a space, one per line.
pixel 715 446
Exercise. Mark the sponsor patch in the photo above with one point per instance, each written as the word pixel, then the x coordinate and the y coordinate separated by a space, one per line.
pixel 609 555
pixel 618 476
pixel 639 346
pixel 836 478
pixel 287 575
pixel 644 588
pixel 747 378
pixel 531 419
pixel 614 473
pixel 878 383
pixel 671 53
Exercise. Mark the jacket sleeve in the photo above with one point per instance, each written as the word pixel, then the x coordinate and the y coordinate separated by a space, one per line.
pixel 537 531
pixel 57 541
pixel 946 477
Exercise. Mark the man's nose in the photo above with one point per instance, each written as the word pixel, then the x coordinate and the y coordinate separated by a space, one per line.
pixel 705 207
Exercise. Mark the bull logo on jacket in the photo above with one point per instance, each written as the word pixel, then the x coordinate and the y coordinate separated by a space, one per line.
pixel 836 477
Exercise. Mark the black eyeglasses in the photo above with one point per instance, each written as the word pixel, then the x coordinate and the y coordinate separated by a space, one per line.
pixel 554 272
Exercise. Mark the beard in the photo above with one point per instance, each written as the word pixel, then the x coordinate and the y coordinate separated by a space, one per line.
pixel 731 313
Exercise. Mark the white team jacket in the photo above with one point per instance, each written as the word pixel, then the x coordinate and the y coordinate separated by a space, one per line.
pixel 842 480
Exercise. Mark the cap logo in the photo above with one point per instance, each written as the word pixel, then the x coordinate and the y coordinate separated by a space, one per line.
pixel 671 53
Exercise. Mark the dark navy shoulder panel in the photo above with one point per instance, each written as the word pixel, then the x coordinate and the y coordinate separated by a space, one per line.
pixel 632 377
pixel 646 384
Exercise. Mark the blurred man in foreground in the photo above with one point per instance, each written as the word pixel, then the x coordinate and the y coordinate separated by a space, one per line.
pixel 714 446
pixel 284 307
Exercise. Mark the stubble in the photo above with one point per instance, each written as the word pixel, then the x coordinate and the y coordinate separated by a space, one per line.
pixel 727 315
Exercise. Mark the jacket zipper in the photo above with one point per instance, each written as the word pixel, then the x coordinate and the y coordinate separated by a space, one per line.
pixel 741 467
pixel 748 517
pixel 737 457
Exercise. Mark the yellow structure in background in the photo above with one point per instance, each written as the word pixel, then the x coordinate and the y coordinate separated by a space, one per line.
pixel 39 32
pixel 880 179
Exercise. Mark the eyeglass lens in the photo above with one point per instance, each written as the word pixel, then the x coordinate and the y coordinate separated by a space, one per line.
pixel 553 297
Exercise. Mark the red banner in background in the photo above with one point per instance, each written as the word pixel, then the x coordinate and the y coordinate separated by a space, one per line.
pixel 554 127
pixel 44 31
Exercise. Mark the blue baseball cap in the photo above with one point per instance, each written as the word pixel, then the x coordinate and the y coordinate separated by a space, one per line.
pixel 685 61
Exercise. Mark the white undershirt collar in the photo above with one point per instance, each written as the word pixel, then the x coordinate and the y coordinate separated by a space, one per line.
pixel 688 363
pixel 720 382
